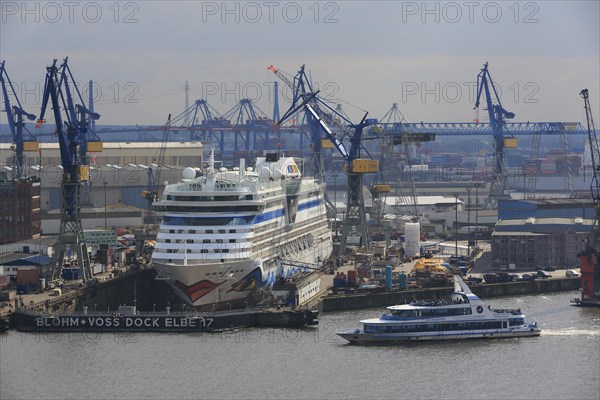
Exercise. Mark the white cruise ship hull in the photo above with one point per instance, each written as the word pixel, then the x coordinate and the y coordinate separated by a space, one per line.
pixel 218 286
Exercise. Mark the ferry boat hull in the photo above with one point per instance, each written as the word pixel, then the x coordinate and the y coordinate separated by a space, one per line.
pixel 361 337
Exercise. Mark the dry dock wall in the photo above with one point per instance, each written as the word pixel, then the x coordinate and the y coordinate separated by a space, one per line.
pixel 373 300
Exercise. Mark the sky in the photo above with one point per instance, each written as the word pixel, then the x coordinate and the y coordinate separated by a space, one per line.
pixel 365 55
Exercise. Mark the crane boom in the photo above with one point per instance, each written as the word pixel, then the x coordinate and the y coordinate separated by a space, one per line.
pixel 589 259
pixel 595 156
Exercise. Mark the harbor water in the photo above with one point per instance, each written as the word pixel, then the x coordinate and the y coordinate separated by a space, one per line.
pixel 312 363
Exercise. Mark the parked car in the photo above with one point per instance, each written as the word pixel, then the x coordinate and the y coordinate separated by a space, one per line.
pixel 517 277
pixel 544 274
pixel 549 269
pixel 490 278
pixel 504 277
pixel 571 274
pixel 528 277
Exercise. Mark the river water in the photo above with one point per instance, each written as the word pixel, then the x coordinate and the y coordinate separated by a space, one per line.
pixel 313 363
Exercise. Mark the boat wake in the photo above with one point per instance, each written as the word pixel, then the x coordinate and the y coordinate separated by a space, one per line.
pixel 570 332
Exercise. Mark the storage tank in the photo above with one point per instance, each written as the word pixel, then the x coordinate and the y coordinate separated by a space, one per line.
pixel 412 235
pixel 402 281
pixel 388 277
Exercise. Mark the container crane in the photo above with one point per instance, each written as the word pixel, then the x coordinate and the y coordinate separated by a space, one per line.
pixel 355 167
pixel 15 116
pixel 71 133
pixel 588 259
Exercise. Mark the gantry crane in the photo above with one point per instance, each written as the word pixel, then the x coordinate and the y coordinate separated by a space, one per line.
pixel 72 134
pixel 498 127
pixel 16 125
pixel 355 167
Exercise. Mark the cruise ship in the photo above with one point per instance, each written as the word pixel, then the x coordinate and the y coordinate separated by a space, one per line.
pixel 227 233
pixel 463 316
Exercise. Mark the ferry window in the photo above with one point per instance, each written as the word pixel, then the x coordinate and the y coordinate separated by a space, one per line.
pixel 190 241
pixel 209 231
pixel 231 240
pixel 232 230
pixel 203 251
pixel 221 230
pixel 205 240
pixel 219 240
pixel 192 231
pixel 225 250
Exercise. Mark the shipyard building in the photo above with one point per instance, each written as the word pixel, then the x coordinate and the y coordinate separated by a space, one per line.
pixel 542 232
pixel 118 174
pixel 19 208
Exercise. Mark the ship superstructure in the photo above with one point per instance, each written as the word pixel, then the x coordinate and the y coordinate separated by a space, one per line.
pixel 225 233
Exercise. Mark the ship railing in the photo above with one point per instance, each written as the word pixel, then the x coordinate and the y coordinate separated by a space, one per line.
pixel 513 311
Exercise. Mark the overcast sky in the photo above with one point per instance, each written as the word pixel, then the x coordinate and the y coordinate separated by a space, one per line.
pixel 423 56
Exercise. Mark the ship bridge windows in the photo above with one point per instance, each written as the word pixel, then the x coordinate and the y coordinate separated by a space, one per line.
pixel 207 221
pixel 210 198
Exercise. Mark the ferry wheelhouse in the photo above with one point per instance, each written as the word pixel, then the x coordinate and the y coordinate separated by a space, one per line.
pixel 463 316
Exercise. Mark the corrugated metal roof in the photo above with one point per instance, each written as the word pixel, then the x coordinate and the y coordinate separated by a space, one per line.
pixel 544 225
pixel 38 259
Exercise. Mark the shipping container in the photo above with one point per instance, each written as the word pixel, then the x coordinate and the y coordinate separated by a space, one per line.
pixel 70 274
pixel 23 288
pixel 30 276
pixel 98 268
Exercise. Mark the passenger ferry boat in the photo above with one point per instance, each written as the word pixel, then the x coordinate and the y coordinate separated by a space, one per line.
pixel 464 316
pixel 225 233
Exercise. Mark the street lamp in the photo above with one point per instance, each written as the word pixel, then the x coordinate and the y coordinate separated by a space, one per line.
pixel 468 221
pixel 105 224
pixel 456 228
pixel 476 184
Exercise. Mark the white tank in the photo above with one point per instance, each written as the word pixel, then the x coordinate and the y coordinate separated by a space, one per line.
pixel 412 236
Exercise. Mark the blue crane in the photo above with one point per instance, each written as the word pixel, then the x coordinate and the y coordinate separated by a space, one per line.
pixel 498 116
pixel 250 121
pixel 320 115
pixel 498 127
pixel 16 124
pixel 71 132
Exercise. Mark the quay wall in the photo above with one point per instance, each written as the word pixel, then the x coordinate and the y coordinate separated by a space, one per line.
pixel 373 300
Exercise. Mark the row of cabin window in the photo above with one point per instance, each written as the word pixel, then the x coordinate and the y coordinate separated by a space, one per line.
pixel 461 326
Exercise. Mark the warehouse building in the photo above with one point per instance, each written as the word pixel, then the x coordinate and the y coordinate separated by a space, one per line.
pixel 540 242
